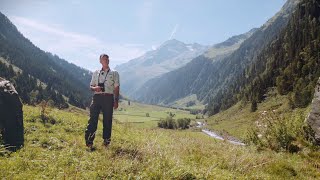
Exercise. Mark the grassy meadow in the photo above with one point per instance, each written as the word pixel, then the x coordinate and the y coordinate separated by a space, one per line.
pixel 139 150
pixel 236 120
pixel 146 116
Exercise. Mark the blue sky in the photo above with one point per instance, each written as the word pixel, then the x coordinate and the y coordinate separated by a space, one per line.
pixel 79 31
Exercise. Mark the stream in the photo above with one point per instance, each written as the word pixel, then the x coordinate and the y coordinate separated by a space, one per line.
pixel 217 136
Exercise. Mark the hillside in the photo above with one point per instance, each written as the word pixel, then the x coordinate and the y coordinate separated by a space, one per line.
pixel 239 119
pixel 169 56
pixel 228 47
pixel 187 80
pixel 56 150
pixel 290 63
pixel 211 80
pixel 64 78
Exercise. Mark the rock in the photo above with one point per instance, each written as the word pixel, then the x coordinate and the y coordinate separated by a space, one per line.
pixel 11 116
pixel 313 119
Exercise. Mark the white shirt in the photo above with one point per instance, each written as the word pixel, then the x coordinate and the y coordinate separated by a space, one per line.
pixel 109 77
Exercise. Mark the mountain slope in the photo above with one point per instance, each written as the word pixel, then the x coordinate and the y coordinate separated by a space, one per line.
pixel 185 80
pixel 229 46
pixel 290 63
pixel 171 55
pixel 208 79
pixel 66 78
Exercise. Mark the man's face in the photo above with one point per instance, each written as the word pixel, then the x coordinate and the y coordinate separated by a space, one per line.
pixel 104 61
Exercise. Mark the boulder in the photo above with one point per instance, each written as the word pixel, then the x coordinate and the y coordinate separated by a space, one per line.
pixel 11 116
pixel 313 119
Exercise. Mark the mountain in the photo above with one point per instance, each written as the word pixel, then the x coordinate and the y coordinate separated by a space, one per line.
pixel 41 75
pixel 229 46
pixel 209 75
pixel 290 63
pixel 158 90
pixel 171 55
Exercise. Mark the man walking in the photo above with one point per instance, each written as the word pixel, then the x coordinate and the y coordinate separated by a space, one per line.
pixel 105 85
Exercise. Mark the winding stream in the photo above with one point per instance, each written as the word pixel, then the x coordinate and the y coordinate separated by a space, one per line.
pixel 217 136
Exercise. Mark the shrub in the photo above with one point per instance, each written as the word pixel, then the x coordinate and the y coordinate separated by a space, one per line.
pixel 254 106
pixel 191 103
pixel 199 116
pixel 277 132
pixel 183 123
pixel 195 111
pixel 171 114
pixel 45 109
pixel 170 123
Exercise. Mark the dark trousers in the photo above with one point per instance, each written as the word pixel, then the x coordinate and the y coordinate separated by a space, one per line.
pixel 100 103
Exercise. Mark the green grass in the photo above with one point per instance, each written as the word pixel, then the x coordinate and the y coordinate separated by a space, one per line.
pixel 182 103
pixel 57 151
pixel 135 114
pixel 238 119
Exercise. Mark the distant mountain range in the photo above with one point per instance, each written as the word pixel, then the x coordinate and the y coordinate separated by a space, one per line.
pixel 188 78
pixel 171 55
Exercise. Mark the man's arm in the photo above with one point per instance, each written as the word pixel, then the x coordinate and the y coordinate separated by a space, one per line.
pixel 93 86
pixel 116 89
pixel 116 96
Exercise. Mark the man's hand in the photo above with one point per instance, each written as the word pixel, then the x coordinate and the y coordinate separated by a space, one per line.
pixel 115 105
pixel 96 88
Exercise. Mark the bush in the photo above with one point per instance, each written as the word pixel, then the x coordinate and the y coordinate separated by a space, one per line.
pixel 45 109
pixel 171 114
pixel 191 103
pixel 199 116
pixel 254 106
pixel 170 123
pixel 183 123
pixel 195 111
pixel 277 132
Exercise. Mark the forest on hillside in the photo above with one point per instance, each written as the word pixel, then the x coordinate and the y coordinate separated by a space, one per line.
pixel 41 75
pixel 290 63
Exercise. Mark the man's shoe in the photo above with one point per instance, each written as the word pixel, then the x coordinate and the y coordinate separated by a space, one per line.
pixel 106 143
pixel 90 147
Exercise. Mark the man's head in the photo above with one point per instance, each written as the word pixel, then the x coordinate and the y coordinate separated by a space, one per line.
pixel 104 60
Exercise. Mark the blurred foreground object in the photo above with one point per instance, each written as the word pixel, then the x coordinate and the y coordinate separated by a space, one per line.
pixel 313 120
pixel 11 116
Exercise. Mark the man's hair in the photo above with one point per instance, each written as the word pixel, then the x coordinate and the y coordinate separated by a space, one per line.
pixel 104 55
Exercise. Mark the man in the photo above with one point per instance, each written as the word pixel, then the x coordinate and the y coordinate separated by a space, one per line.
pixel 105 85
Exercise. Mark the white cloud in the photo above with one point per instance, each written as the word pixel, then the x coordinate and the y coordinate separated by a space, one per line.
pixel 154 47
pixel 173 32
pixel 80 49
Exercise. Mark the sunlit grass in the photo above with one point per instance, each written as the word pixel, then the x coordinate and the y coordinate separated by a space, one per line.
pixel 57 151
pixel 238 119
pixel 136 114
